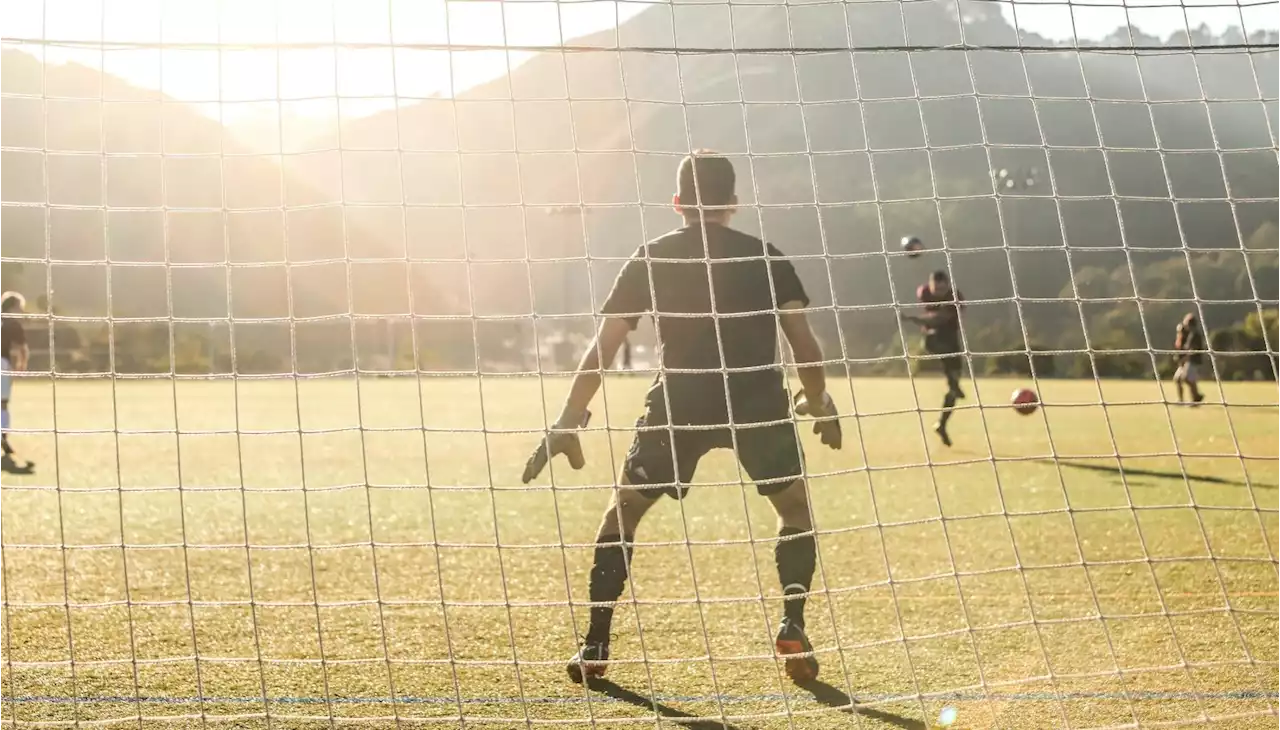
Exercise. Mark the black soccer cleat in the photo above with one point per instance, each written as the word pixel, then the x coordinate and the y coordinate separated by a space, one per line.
pixel 797 653
pixel 1197 399
pixel 941 430
pixel 590 662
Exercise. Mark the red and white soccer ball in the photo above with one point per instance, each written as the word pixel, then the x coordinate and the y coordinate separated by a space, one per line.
pixel 1025 401
pixel 912 246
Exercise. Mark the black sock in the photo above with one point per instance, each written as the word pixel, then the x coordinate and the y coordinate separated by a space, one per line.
pixel 608 576
pixel 796 559
pixel 4 441
pixel 948 402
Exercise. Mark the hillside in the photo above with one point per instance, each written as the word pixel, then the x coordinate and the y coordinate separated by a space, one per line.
pixel 140 180
pixel 838 162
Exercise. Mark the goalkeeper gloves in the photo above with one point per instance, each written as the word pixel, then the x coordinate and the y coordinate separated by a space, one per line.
pixel 826 420
pixel 556 442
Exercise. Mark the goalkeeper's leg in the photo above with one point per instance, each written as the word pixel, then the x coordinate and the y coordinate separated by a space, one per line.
pixel 609 569
pixel 649 462
pixel 772 457
pixel 796 555
pixel 612 560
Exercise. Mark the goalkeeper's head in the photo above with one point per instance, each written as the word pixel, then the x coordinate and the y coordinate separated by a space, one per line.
pixel 704 187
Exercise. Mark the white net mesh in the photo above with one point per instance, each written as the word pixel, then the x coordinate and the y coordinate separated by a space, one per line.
pixel 305 281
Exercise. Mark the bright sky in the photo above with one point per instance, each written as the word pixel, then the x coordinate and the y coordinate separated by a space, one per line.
pixel 325 73
pixel 308 74
pixel 1055 19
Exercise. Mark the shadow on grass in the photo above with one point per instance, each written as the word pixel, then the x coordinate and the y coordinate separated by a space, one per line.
pixel 10 466
pixel 609 689
pixel 830 696
pixel 1129 471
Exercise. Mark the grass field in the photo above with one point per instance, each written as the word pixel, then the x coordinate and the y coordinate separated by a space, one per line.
pixel 306 564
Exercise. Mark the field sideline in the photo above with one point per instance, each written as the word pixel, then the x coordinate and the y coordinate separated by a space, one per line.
pixel 1052 585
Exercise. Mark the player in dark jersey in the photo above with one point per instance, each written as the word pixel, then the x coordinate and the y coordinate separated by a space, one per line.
pixel 13 356
pixel 717 369
pixel 941 326
pixel 1189 343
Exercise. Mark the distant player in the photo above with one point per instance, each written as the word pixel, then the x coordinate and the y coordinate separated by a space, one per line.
pixel 626 353
pixel 711 366
pixel 13 356
pixel 941 326
pixel 1189 343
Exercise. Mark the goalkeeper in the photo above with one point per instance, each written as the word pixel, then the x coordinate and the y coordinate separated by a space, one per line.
pixel 716 371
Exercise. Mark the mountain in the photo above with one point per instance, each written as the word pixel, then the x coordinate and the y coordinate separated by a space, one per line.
pixel 133 152
pixel 1154 157
pixel 193 222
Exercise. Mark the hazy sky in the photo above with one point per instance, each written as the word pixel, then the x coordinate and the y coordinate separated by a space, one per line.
pixel 312 76
pixel 1095 18
pixel 323 74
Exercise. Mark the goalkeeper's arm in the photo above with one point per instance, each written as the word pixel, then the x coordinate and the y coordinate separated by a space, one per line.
pixel 563 438
pixel 612 333
pixel 808 356
pixel 805 349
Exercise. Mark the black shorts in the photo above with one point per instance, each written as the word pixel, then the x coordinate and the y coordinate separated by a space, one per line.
pixel 938 344
pixel 952 366
pixel 769 453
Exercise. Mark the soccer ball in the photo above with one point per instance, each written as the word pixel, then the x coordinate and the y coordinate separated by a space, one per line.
pixel 912 246
pixel 1025 401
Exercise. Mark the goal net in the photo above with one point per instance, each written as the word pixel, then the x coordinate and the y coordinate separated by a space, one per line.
pixel 305 282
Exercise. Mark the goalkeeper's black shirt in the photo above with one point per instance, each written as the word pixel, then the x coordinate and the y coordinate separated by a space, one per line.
pixel 681 281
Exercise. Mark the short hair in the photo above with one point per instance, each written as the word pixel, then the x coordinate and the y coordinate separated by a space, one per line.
pixel 10 299
pixel 705 178
pixel 940 275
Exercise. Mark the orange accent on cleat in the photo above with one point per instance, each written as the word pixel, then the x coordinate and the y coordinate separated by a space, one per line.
pixel 590 666
pixel 800 664
pixel 586 670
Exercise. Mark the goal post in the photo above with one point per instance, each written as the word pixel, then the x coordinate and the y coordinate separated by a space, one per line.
pixel 306 282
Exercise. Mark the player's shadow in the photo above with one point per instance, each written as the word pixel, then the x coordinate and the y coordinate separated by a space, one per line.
pixel 685 719
pixel 10 466
pixel 830 696
pixel 822 692
pixel 1130 471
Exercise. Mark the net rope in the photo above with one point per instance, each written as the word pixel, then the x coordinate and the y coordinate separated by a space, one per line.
pixel 60 670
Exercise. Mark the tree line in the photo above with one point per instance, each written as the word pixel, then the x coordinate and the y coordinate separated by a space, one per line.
pixel 1116 323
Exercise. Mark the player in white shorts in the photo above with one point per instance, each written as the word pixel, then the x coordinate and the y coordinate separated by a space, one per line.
pixel 1190 345
pixel 13 356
